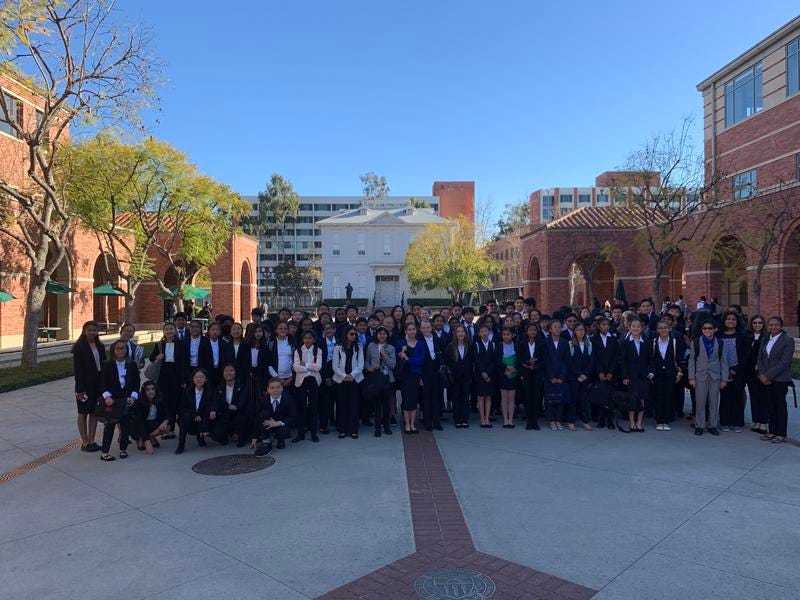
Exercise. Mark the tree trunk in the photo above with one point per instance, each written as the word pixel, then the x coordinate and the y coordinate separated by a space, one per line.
pixel 755 305
pixel 130 299
pixel 659 264
pixel 33 317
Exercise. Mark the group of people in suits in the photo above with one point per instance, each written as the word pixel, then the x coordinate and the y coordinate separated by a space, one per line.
pixel 294 374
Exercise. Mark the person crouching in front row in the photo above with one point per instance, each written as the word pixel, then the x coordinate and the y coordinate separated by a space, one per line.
pixel 198 411
pixel 276 416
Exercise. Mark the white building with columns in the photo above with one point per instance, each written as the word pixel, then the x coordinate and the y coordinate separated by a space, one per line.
pixel 366 248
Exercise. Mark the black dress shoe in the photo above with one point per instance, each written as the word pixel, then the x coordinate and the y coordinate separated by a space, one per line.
pixel 354 436
pixel 281 444
pixel 393 421
pixel 387 430
pixel 377 433
pixel 94 447
pixel 263 449
pixel 314 437
pixel 324 431
pixel 611 425
pixel 600 425
pixel 201 441
pixel 298 438
pixel 342 435
pixel 713 431
pixel 698 431
pixel 458 425
pixel 179 449
pixel 529 427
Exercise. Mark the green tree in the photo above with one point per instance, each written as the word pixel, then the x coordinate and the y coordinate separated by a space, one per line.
pixel 374 188
pixel 278 201
pixel 446 256
pixel 88 69
pixel 130 196
pixel 415 203
pixel 296 281
pixel 515 218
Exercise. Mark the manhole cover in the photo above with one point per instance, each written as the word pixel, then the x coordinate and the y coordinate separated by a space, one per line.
pixel 233 464
pixel 454 584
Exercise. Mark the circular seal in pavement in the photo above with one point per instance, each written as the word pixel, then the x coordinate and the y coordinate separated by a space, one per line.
pixel 454 584
pixel 233 464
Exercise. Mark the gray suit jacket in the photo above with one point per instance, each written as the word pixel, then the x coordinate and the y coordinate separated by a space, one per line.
pixel 778 365
pixel 372 359
pixel 703 368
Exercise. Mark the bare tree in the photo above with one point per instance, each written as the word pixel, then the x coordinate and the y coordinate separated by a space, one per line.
pixel 87 68
pixel 663 185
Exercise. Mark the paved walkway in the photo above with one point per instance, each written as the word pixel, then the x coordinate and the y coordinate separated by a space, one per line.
pixel 514 513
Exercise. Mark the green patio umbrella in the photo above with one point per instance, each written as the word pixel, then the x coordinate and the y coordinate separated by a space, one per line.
pixel 620 293
pixel 190 292
pixel 107 290
pixel 6 297
pixel 55 287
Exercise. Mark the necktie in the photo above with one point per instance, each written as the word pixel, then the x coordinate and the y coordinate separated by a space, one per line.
pixel 274 406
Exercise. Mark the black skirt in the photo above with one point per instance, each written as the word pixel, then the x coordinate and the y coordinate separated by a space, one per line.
pixel 410 392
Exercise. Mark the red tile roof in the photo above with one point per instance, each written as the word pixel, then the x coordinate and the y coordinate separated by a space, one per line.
pixel 601 217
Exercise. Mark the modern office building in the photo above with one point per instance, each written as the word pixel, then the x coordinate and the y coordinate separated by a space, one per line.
pixel 365 248
pixel 302 238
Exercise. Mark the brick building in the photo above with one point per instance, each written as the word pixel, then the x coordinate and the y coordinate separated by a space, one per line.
pixel 752 148
pixel 84 267
pixel 507 284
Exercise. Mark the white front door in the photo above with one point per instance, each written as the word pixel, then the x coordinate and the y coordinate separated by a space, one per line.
pixel 387 290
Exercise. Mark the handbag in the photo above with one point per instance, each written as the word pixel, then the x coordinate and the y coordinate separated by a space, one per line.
pixel 375 384
pixel 152 371
pixel 110 414
pixel 600 394
pixel 555 393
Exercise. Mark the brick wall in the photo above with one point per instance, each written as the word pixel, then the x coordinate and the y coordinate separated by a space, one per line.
pixel 455 198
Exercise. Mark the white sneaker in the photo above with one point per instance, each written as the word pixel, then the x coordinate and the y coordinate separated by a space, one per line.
pixel 659 428
pixel 725 428
pixel 737 429
pixel 666 428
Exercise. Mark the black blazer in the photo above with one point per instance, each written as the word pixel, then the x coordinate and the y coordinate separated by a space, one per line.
pixel 244 363
pixel 272 358
pixel 524 356
pixel 743 349
pixel 460 368
pixel 287 411
pixel 668 365
pixel 110 379
pixel 141 409
pixel 635 366
pixel 205 359
pixel 580 362
pixel 229 354
pixel 87 377
pixel 188 408
pixel 180 360
pixel 606 358
pixel 221 402
pixel 485 359
pixel 443 338
pixel 430 368
pixel 557 362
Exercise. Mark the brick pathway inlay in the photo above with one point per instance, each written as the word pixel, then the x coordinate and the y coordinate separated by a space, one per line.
pixel 444 543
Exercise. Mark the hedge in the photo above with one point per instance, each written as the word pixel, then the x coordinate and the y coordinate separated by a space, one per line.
pixel 430 301
pixel 337 302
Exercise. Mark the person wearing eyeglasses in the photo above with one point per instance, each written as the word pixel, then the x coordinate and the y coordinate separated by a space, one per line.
pixel 708 375
pixel 759 407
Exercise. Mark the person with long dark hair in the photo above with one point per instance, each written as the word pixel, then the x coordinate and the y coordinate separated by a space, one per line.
pixel 254 359
pixel 508 375
pixel 485 371
pixel 606 364
pixel 775 373
pixel 148 418
pixel 120 385
pixel 579 372
pixel 379 364
pixel 759 407
pixel 231 347
pixel 230 398
pixel 348 367
pixel 281 356
pixel 169 351
pixel 135 351
pixel 411 353
pixel 736 347
pixel 635 370
pixel 459 359
pixel 556 369
pixel 307 366
pixel 197 412
pixel 88 356
pixel 665 374
pixel 531 361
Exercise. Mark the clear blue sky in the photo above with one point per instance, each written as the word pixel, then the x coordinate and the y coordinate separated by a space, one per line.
pixel 515 95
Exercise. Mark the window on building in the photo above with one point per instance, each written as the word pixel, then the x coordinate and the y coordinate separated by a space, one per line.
pixel 12 106
pixel 744 185
pixel 565 199
pixel 743 95
pixel 337 285
pixel 317 244
pixel 322 207
pixel 793 67
pixel 387 244
pixel 288 245
pixel 305 219
pixel 547 208
pixel 304 245
pixel 272 257
pixel 305 232
pixel 306 207
pixel 362 247
pixel 336 249
pixel 584 198
pixel 362 286
pixel 601 198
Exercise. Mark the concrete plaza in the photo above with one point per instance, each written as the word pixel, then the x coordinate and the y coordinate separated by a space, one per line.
pixel 654 515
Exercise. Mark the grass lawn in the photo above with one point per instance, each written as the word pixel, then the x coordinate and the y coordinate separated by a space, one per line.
pixel 14 378
pixel 796 368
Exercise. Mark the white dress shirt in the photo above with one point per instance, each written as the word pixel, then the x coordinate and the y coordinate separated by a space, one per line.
pixel 662 347
pixel 215 351
pixel 194 351
pixel 771 342
pixel 169 352
pixel 198 396
pixel 229 394
pixel 429 342
pixel 254 357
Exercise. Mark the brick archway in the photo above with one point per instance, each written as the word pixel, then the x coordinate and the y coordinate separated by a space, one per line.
pixel 533 287
pixel 677 279
pixel 785 281
pixel 245 295
pixel 727 269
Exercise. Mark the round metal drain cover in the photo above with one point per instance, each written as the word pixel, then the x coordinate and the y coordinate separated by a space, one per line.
pixel 233 464
pixel 454 584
